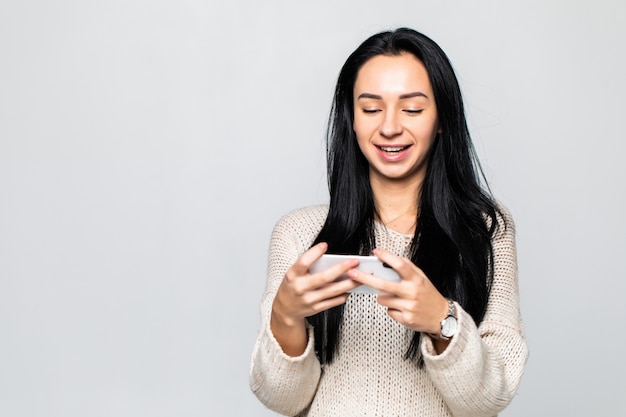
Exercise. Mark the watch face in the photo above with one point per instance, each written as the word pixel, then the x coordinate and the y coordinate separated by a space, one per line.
pixel 448 327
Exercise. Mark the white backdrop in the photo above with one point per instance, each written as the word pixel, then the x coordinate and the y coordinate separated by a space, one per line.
pixel 148 147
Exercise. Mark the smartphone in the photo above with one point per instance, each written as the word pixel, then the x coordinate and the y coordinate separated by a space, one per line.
pixel 367 264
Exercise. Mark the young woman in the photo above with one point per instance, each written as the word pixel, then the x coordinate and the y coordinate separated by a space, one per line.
pixel 405 186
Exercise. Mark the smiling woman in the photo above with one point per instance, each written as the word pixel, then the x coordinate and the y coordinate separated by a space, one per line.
pixel 395 120
pixel 404 184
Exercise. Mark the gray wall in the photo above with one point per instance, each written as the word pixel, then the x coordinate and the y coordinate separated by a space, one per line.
pixel 148 147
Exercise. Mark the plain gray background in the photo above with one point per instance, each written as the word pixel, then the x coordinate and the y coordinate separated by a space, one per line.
pixel 148 147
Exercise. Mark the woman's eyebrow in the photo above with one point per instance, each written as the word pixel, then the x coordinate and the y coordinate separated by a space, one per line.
pixel 413 94
pixel 369 95
pixel 402 96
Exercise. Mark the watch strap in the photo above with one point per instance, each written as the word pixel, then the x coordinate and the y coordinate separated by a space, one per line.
pixel 451 314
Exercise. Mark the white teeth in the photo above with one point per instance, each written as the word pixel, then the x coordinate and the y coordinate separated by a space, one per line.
pixel 393 149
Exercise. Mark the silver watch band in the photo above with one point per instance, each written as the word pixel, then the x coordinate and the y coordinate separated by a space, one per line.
pixel 450 317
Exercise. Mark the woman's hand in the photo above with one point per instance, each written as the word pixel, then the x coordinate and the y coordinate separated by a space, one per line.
pixel 301 294
pixel 414 301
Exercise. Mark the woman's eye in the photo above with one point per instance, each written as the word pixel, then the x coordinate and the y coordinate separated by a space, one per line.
pixel 370 111
pixel 413 111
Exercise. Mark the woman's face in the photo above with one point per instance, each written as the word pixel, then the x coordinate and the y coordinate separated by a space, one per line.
pixel 395 117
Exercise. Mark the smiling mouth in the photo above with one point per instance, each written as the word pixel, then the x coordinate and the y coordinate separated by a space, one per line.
pixel 393 149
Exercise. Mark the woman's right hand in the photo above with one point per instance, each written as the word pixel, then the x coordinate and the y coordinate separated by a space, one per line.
pixel 302 294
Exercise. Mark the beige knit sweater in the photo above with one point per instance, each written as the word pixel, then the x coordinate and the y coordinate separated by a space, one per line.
pixel 477 374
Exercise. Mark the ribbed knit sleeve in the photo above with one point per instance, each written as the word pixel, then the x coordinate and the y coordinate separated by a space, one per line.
pixel 479 372
pixel 285 384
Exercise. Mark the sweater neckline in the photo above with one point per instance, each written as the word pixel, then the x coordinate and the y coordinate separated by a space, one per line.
pixel 391 231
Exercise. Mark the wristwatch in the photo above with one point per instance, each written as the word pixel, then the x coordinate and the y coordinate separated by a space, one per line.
pixel 449 324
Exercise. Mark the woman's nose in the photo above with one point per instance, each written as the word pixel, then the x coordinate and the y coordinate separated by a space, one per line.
pixel 390 126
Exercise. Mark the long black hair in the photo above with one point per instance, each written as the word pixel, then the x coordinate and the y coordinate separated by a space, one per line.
pixel 456 217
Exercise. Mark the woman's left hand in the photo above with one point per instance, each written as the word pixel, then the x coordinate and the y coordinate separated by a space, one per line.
pixel 414 301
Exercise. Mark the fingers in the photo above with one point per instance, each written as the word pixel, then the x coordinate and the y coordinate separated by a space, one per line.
pixel 327 303
pixel 304 262
pixel 301 268
pixel 333 273
pixel 414 280
pixel 302 294
pixel 403 266
pixel 414 301
pixel 418 315
pixel 373 281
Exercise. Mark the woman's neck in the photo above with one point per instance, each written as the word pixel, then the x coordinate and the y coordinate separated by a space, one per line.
pixel 396 204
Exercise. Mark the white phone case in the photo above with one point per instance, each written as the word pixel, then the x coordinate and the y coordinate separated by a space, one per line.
pixel 367 264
